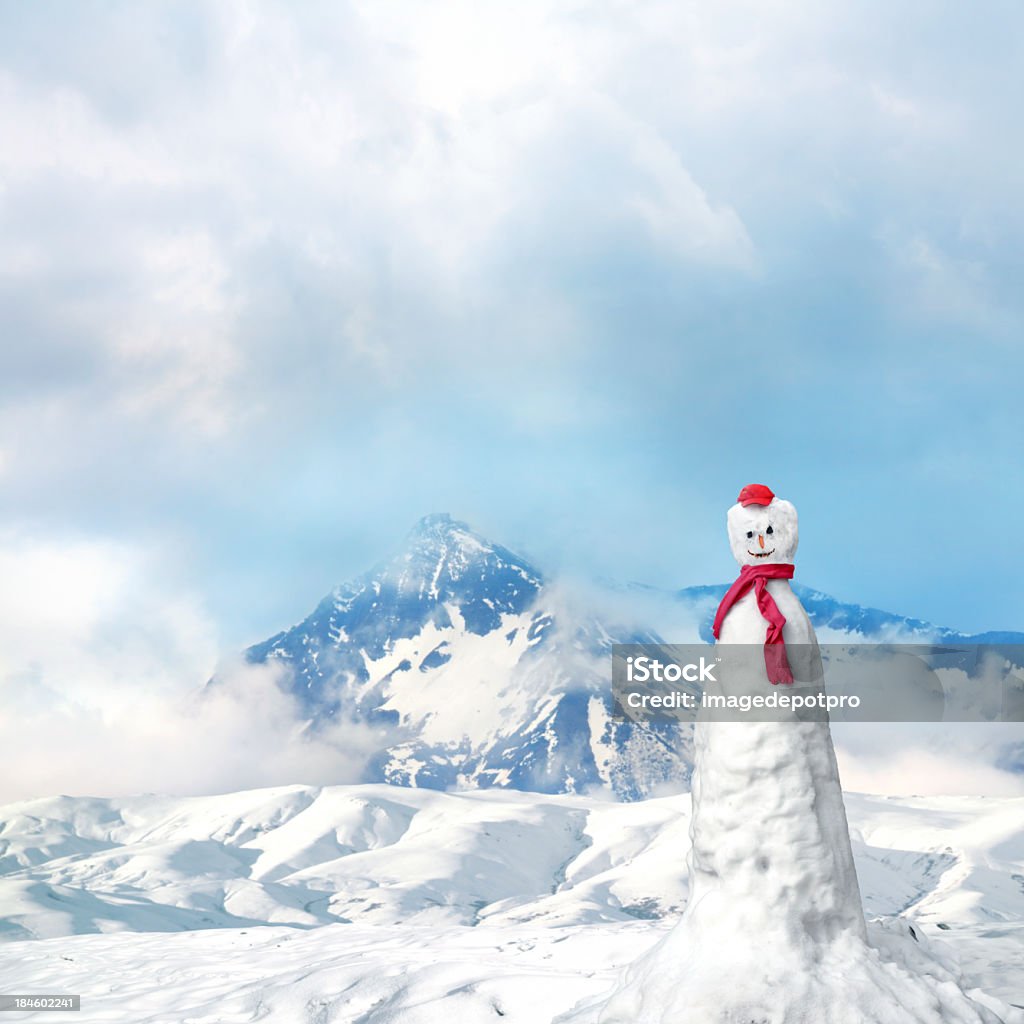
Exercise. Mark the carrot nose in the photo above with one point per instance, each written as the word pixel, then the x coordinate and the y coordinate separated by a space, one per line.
pixel 760 539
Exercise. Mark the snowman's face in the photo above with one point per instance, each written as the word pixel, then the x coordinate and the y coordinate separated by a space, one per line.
pixel 763 533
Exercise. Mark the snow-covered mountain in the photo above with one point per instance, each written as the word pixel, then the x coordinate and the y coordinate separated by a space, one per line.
pixel 379 903
pixel 486 674
pixel 377 854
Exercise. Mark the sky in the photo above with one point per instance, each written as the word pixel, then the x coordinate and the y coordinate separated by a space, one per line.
pixel 277 280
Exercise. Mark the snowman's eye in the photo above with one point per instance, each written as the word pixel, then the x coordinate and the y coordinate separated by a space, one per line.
pixel 750 533
pixel 769 530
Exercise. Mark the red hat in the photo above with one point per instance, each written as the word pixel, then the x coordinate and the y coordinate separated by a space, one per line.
pixel 756 494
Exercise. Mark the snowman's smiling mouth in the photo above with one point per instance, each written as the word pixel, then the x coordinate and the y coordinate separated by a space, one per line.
pixel 760 554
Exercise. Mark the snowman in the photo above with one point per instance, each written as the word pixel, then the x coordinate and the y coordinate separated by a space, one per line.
pixel 769 827
pixel 773 931
pixel 760 607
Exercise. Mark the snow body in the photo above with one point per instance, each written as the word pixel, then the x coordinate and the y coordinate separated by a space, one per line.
pixel 773 932
pixel 769 827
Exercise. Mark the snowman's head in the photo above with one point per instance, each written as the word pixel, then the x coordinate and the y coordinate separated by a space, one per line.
pixel 762 528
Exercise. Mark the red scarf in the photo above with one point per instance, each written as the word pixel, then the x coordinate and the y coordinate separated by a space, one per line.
pixel 756 576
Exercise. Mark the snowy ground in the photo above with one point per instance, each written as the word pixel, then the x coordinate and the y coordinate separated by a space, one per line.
pixel 375 904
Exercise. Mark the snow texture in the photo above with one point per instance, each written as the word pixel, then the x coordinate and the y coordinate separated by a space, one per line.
pixel 379 904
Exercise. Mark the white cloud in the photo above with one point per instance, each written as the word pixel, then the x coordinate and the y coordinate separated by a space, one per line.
pixel 399 151
pixel 907 759
pixel 331 182
pixel 244 734
pixel 95 620
pixel 922 773
pixel 58 130
pixel 175 341
pixel 102 656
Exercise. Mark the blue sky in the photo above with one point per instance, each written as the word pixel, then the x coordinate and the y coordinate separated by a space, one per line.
pixel 277 280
